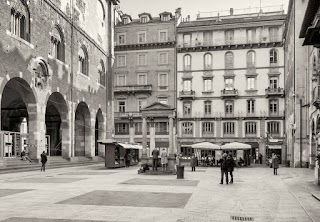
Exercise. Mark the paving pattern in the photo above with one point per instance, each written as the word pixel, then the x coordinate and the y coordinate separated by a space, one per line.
pixel 92 193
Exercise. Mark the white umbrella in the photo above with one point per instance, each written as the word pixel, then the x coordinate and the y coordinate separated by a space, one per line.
pixel 235 146
pixel 206 146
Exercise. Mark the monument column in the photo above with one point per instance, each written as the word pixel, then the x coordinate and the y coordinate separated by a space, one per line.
pixel 152 135
pixel 171 159
pixel 144 158
pixel 131 130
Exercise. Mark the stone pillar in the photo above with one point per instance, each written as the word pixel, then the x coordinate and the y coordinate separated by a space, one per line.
pixel 262 150
pixel 171 158
pixel 240 154
pixel 152 136
pixel 218 155
pixel 144 157
pixel 131 131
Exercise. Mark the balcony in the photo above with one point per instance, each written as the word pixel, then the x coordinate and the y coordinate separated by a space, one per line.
pixel 229 93
pixel 127 115
pixel 187 94
pixel 316 97
pixel 133 89
pixel 275 92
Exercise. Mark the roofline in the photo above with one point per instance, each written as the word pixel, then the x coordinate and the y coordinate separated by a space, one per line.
pixel 312 8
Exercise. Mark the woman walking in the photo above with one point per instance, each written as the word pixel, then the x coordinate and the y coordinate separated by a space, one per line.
pixel 164 160
pixel 275 163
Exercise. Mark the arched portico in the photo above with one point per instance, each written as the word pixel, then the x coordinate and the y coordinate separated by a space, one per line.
pixel 99 133
pixel 82 134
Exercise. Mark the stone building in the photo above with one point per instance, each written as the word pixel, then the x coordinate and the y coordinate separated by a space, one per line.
pixel 230 81
pixel 296 88
pixel 309 32
pixel 145 79
pixel 55 72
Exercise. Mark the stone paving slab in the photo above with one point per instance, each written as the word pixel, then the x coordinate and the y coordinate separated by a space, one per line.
pixel 159 182
pixel 8 192
pixel 26 219
pixel 47 180
pixel 129 198
pixel 86 173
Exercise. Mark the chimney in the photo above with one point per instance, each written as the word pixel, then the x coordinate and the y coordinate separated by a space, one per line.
pixel 188 18
pixel 178 12
pixel 231 11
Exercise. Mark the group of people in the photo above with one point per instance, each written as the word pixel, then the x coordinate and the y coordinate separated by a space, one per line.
pixel 164 159
pixel 227 164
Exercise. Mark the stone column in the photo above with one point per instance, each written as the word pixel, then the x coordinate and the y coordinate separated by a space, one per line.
pixel 152 136
pixel 131 131
pixel 171 158
pixel 144 157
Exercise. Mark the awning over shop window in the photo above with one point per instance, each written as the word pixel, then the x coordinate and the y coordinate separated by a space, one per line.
pixel 130 146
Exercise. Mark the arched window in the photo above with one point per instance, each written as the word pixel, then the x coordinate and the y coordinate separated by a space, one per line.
pixel 20 20
pixel 273 57
pixel 102 73
pixel 251 59
pixel 83 61
pixel 41 74
pixel 57 44
pixel 187 62
pixel 229 60
pixel 207 61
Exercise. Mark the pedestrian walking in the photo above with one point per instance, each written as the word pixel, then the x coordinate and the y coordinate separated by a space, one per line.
pixel 224 167
pixel 155 157
pixel 164 160
pixel 127 159
pixel 231 164
pixel 193 163
pixel 275 163
pixel 43 161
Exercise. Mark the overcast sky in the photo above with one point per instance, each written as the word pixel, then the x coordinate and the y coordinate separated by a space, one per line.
pixel 192 7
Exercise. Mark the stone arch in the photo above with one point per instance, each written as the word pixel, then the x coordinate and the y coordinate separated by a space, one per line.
pixel 19 104
pixel 57 126
pixel 82 134
pixel 99 132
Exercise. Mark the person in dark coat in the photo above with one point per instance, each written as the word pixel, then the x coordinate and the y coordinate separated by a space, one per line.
pixel 43 161
pixel 127 159
pixel 193 163
pixel 224 167
pixel 275 164
pixel 231 165
pixel 155 156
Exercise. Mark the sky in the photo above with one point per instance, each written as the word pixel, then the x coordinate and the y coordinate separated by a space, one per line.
pixel 192 7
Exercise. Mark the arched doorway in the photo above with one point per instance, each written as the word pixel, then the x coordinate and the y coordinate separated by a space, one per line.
pixel 18 118
pixel 82 130
pixel 56 124
pixel 99 129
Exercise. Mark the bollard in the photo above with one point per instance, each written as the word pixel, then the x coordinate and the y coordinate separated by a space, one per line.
pixel 180 171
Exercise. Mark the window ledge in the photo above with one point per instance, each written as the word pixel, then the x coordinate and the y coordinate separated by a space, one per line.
pixel 207 92
pixel 84 75
pixel 58 61
pixel 19 39
pixel 251 90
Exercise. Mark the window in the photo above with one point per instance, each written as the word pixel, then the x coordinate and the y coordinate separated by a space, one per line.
pixel 163 58
pixel 122 39
pixel 138 128
pixel 186 40
pixel 165 18
pixel 273 57
pixel 122 106
pixel 251 35
pixel 122 128
pixel 163 101
pixel 142 37
pixel 57 44
pixel 251 83
pixel 229 84
pixel 207 38
pixel 102 73
pixel 100 14
pixel 273 82
pixel 125 21
pixel 142 59
pixel 207 108
pixel 207 128
pixel 273 128
pixel 121 80
pixel 144 19
pixel 187 62
pixel 187 108
pixel 142 79
pixel 163 81
pixel 251 59
pixel 229 107
pixel 163 36
pixel 228 128
pixel 229 60
pixel 20 21
pixel 162 128
pixel 187 85
pixel 250 106
pixel 141 104
pixel 273 34
pixel 83 61
pixel 207 85
pixel 251 128
pixel 273 107
pixel 187 128
pixel 121 61
pixel 229 37
pixel 207 61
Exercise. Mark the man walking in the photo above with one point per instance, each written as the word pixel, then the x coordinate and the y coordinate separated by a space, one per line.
pixel 155 156
pixel 43 161
pixel 224 167
pixel 231 164
pixel 275 164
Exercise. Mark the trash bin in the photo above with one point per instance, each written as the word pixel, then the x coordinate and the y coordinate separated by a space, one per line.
pixel 180 171
pixel 288 163
pixel 307 164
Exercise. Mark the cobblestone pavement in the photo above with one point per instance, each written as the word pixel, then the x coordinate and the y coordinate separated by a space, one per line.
pixel 92 193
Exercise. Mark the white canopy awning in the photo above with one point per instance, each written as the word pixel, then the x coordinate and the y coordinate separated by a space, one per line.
pixel 206 146
pixel 235 146
pixel 130 146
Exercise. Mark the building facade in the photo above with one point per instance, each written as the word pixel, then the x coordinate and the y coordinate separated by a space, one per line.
pixel 55 71
pixel 144 76
pixel 230 82
pixel 296 88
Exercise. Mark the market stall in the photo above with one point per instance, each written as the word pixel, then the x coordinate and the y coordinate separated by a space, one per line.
pixel 203 157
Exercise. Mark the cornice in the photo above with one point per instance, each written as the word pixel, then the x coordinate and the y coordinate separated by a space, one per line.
pixel 155 45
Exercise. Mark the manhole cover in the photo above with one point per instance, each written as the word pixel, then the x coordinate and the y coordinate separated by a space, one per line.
pixel 239 218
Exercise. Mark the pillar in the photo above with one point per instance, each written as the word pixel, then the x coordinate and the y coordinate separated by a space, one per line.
pixel 152 136
pixel 218 155
pixel 171 158
pixel 131 131
pixel 144 157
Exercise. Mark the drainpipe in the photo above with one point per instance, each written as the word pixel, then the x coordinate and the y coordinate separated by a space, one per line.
pixel 71 85
pixel 300 133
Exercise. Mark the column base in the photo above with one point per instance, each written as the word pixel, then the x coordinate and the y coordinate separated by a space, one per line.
pixel 171 164
pixel 144 159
